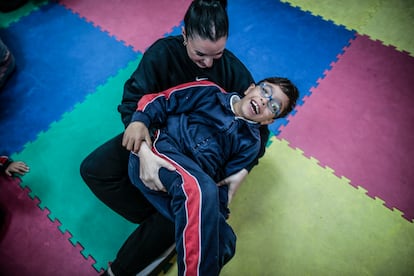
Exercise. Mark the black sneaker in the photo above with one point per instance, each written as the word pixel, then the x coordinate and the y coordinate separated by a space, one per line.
pixel 4 221
pixel 160 265
pixel 7 63
pixel 8 6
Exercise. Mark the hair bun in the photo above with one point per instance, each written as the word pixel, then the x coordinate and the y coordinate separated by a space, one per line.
pixel 210 3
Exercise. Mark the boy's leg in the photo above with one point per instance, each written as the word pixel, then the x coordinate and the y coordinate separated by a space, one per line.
pixel 227 245
pixel 160 200
pixel 199 209
pixel 194 205
pixel 227 242
pixel 105 171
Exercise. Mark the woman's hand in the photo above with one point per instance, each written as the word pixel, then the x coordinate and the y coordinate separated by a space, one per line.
pixel 150 165
pixel 234 181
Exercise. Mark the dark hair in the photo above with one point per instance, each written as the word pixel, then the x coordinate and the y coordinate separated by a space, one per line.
pixel 207 19
pixel 289 89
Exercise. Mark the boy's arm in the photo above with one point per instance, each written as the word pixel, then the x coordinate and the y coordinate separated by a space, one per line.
pixel 264 137
pixel 234 181
pixel 150 109
pixel 153 109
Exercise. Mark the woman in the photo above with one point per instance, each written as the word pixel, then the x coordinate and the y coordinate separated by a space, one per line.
pixel 198 54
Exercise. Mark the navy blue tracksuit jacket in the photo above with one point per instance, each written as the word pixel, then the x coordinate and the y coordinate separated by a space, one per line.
pixel 200 135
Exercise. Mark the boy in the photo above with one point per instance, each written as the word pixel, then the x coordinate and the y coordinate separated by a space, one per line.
pixel 207 134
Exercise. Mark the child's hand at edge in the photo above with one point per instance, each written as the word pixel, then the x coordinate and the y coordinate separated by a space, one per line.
pixel 18 167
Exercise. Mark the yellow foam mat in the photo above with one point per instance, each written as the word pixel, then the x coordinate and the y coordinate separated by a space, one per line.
pixel 294 217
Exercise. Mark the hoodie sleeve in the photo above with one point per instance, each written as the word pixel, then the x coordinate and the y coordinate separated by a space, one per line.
pixel 153 109
pixel 4 163
pixel 248 146
pixel 145 79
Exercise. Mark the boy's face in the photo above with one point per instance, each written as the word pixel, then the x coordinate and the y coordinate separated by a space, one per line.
pixel 263 102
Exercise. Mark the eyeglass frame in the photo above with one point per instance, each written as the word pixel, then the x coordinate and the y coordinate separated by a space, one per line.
pixel 271 101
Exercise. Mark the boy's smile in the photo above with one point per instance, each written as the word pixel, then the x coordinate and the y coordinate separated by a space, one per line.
pixel 255 106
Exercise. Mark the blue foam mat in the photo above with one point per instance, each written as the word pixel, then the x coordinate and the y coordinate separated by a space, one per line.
pixel 284 41
pixel 60 58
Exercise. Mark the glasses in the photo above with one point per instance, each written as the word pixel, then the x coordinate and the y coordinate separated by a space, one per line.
pixel 274 105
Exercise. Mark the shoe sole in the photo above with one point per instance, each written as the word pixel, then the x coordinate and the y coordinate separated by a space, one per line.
pixel 162 264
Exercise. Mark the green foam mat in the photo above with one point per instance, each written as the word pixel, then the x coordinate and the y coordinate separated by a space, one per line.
pixel 294 217
pixel 54 160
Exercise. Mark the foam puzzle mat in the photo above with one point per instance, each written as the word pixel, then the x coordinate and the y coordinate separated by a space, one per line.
pixel 334 193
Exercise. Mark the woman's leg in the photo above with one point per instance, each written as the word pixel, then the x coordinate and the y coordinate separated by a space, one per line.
pixel 105 171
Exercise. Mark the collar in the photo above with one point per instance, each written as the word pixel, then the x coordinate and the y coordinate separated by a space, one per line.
pixel 234 99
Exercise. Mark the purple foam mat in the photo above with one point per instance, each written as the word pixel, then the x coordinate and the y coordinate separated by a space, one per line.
pixel 359 122
pixel 31 243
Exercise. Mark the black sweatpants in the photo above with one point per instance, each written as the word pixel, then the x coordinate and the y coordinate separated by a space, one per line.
pixel 105 171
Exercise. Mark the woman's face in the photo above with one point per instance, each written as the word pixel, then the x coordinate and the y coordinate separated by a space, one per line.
pixel 203 52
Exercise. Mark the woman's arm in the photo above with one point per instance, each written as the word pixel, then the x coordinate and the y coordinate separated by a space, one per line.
pixel 234 181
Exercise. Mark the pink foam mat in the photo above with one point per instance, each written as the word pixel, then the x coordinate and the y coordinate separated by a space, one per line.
pixel 31 243
pixel 359 121
pixel 136 22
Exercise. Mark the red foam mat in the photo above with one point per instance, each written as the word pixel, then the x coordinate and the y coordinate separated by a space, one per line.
pixel 137 23
pixel 31 244
pixel 359 122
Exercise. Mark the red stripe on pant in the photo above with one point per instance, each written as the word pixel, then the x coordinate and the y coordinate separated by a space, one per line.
pixel 192 230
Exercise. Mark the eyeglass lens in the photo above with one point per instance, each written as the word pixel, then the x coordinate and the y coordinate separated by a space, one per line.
pixel 273 104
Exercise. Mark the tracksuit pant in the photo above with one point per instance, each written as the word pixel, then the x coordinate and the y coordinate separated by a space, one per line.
pixel 198 207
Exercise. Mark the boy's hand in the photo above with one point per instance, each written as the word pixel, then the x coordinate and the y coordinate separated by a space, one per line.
pixel 18 167
pixel 134 135
pixel 234 181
